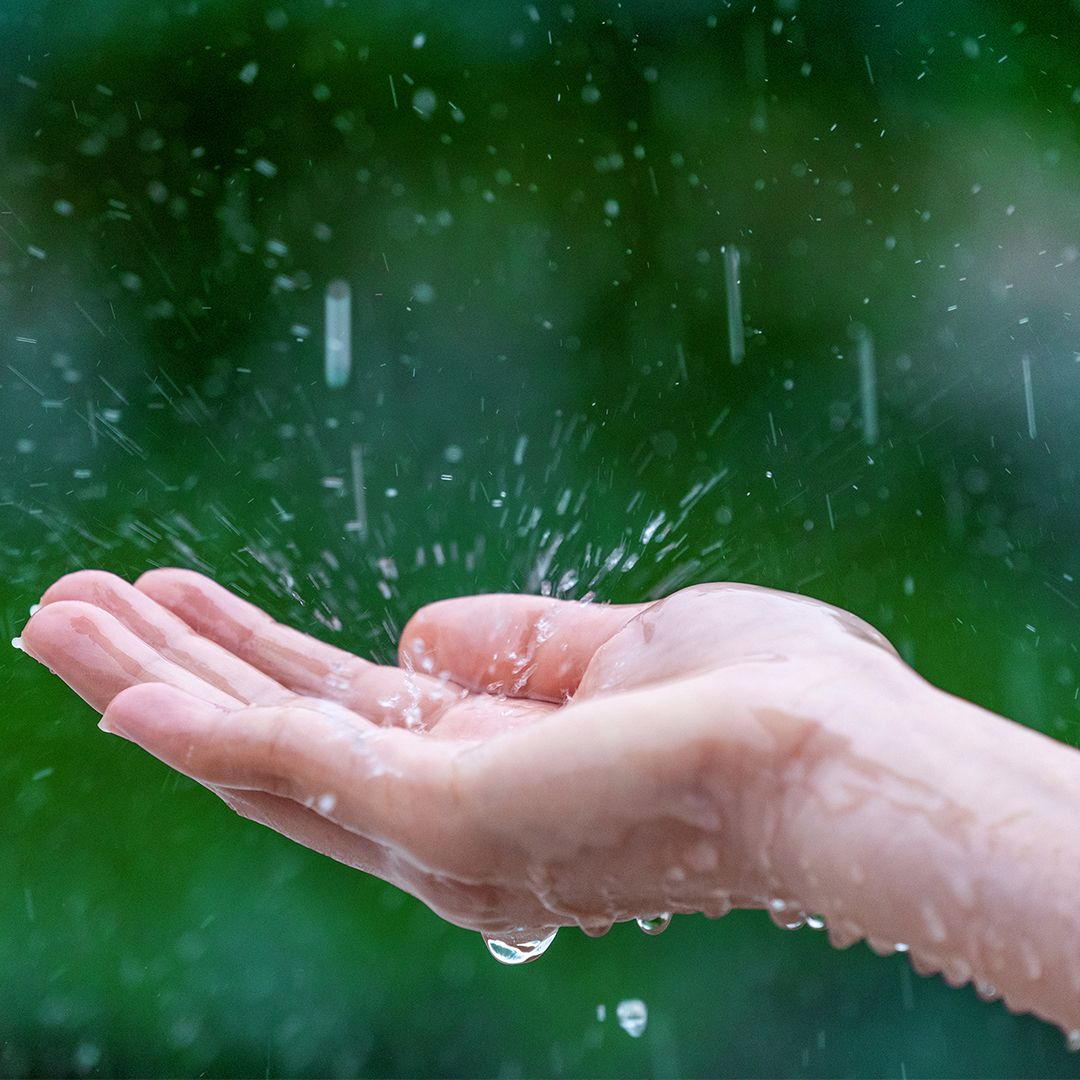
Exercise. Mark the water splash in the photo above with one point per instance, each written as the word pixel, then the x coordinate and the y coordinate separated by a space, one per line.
pixel 518 952
pixel 654 924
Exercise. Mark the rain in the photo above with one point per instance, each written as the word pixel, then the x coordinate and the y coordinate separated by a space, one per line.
pixel 354 310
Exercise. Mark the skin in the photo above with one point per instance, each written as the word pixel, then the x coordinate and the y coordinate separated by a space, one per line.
pixel 535 763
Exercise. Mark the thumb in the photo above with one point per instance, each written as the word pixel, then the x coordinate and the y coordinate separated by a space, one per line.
pixel 522 646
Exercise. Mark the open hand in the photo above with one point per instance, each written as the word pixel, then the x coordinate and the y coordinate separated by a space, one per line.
pixel 531 763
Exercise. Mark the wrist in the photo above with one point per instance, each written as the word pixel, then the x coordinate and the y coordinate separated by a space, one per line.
pixel 933 825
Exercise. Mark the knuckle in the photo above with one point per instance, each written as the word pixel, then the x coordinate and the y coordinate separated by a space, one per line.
pixel 277 765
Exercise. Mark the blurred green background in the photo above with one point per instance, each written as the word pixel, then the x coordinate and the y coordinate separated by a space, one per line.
pixel 530 202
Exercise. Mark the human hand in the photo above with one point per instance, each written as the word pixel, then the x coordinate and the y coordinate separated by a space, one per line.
pixel 535 763
pixel 531 763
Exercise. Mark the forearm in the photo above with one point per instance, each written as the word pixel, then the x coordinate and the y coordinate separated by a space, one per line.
pixel 928 822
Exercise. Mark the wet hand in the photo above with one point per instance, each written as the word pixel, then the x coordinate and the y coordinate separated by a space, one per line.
pixel 530 763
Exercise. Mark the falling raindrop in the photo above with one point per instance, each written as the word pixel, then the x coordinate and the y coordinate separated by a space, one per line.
pixel 654 924
pixel 338 358
pixel 358 524
pixel 632 1016
pixel 1029 399
pixel 733 293
pixel 425 102
pixel 519 952
pixel 864 351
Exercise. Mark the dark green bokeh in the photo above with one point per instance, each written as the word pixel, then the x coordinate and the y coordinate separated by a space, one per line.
pixel 541 368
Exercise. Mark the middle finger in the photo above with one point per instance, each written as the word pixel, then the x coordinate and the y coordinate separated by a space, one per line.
pixel 169 635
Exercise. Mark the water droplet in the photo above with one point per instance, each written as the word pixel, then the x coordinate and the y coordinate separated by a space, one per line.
pixel 601 1013
pixel 654 924
pixel 632 1016
pixel 519 952
pixel 338 348
pixel 16 643
pixel 817 922
pixel 787 914
pixel 733 293
pixel 1072 1039
pixel 335 678
pixel 425 102
pixel 86 1056
pixel 986 990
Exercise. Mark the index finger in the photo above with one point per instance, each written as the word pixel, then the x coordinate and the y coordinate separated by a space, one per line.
pixel 294 659
pixel 385 783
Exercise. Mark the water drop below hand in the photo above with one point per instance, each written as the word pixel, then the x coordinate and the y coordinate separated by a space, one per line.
pixel 519 952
